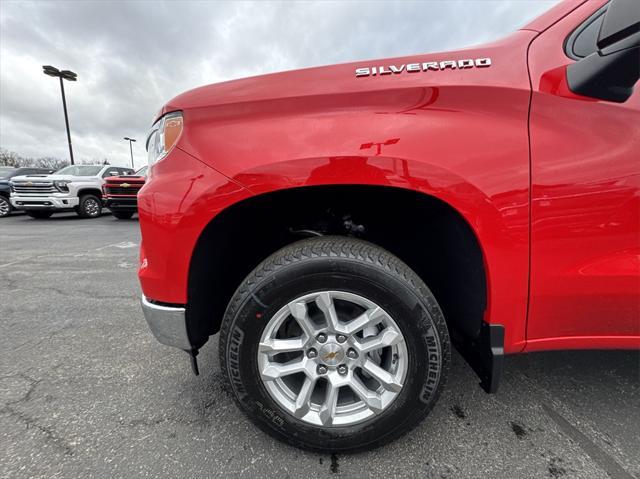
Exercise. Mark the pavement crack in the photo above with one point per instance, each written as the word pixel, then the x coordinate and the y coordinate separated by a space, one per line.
pixel 146 422
pixel 49 434
pixel 27 394
pixel 83 294
pixel 598 455
pixel 48 337
pixel 155 421
pixel 32 387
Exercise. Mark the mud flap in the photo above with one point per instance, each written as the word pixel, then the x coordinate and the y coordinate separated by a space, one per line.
pixel 485 355
pixel 194 361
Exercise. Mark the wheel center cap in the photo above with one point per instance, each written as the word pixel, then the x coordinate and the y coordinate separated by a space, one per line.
pixel 331 354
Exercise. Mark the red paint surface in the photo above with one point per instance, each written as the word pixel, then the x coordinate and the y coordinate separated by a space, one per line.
pixel 585 257
pixel 459 135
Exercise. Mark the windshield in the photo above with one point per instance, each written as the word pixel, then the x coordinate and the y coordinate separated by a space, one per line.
pixel 79 170
pixel 142 171
pixel 6 171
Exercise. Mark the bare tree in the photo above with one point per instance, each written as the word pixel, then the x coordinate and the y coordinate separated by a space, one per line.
pixel 50 162
pixel 9 158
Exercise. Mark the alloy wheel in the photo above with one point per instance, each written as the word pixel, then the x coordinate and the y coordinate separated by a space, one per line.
pixel 5 207
pixel 91 207
pixel 333 358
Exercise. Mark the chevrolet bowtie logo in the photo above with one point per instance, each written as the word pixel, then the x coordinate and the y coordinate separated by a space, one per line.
pixel 125 185
pixel 331 356
pixel 29 183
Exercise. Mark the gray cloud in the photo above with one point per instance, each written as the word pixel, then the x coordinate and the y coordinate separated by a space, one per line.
pixel 131 57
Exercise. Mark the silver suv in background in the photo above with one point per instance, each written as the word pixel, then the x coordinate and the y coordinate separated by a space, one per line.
pixel 75 187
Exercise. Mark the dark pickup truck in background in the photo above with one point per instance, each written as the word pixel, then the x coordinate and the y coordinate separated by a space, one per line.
pixel 8 172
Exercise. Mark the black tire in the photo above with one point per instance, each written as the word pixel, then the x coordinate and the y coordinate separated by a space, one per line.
pixel 122 215
pixel 353 266
pixel 39 214
pixel 5 206
pixel 87 206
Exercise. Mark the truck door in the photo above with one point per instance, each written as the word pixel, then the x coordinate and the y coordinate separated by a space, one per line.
pixel 585 204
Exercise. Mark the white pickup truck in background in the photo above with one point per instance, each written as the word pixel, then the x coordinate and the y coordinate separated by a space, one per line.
pixel 75 187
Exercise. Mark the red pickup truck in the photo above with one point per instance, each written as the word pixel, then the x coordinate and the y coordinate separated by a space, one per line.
pixel 342 227
pixel 120 193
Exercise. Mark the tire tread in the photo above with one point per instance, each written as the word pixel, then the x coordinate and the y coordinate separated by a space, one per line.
pixel 343 248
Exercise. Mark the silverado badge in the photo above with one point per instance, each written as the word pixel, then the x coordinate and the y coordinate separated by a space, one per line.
pixel 423 67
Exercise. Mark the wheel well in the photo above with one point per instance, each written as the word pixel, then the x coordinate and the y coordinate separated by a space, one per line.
pixel 90 191
pixel 426 233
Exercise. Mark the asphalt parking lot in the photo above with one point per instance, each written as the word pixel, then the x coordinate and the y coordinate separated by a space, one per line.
pixel 86 391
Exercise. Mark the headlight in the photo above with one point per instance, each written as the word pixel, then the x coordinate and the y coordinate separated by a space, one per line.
pixel 62 185
pixel 163 136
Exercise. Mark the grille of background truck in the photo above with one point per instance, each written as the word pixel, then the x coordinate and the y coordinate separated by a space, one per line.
pixel 119 190
pixel 34 188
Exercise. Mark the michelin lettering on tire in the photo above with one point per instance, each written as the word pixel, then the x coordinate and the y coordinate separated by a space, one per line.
pixel 435 366
pixel 233 362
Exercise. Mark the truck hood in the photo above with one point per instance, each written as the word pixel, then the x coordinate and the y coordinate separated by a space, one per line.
pixel 53 178
pixel 127 178
pixel 341 79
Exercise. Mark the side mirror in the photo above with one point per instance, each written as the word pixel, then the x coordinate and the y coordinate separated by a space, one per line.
pixel 611 72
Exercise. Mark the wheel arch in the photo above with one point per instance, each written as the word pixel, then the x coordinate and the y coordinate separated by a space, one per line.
pixel 236 240
pixel 89 190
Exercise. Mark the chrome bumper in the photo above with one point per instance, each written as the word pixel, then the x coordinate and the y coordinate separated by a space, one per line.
pixel 168 324
pixel 44 202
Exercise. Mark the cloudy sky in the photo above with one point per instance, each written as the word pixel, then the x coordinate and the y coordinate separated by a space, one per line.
pixel 133 56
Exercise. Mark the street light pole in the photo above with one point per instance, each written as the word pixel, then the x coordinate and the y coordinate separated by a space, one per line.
pixel 130 140
pixel 63 75
pixel 66 119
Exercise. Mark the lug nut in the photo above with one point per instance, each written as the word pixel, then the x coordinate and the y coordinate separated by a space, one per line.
pixel 342 369
pixel 321 338
pixel 341 338
pixel 322 369
pixel 352 354
pixel 312 353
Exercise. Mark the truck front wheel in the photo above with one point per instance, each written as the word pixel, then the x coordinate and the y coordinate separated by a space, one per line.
pixel 90 206
pixel 5 206
pixel 334 344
